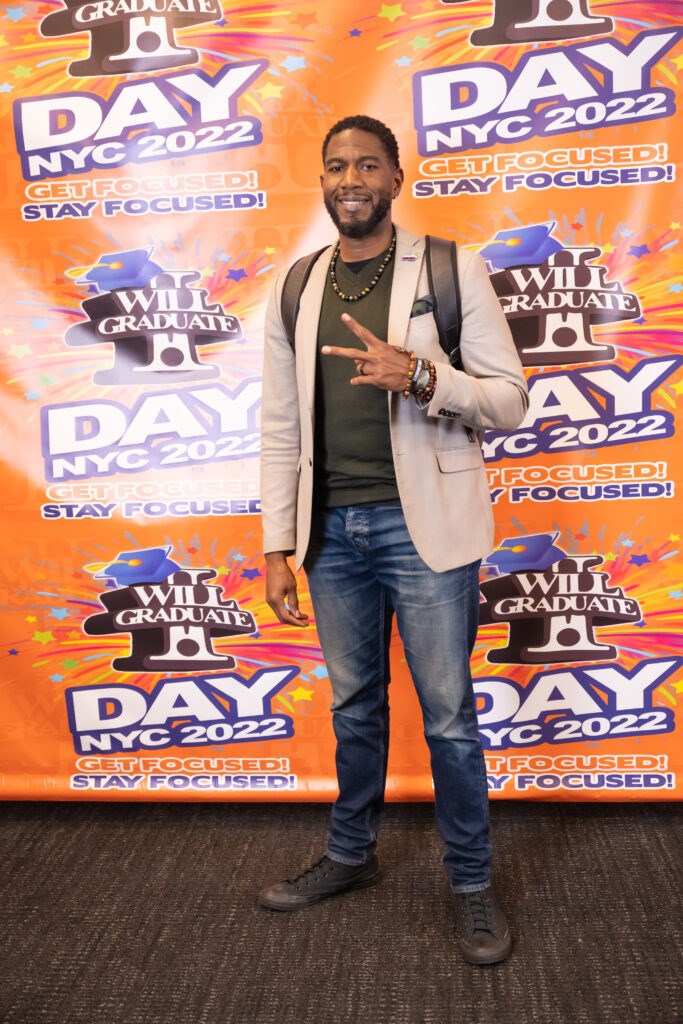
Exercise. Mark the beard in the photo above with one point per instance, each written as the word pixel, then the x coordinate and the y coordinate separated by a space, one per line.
pixel 360 229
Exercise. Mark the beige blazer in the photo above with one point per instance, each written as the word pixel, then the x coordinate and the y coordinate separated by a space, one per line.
pixel 437 456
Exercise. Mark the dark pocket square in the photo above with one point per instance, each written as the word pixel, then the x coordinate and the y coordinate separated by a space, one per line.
pixel 422 306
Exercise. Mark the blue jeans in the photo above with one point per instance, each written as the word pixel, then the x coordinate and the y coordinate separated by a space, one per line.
pixel 362 567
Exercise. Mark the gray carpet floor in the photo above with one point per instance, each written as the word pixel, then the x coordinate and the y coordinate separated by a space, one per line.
pixel 147 914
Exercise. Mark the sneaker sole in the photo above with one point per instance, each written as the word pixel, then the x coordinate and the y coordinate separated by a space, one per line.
pixel 309 901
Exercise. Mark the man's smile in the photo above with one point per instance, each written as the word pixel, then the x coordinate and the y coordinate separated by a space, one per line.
pixel 352 202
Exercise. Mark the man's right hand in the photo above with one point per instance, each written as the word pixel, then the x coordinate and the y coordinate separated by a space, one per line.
pixel 281 592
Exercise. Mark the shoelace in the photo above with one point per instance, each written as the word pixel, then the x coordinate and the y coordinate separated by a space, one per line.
pixel 313 870
pixel 480 908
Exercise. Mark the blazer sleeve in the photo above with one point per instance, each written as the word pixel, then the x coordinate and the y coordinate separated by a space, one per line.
pixel 490 393
pixel 280 432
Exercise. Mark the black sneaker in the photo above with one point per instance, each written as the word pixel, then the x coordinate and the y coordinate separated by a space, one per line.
pixel 481 926
pixel 323 879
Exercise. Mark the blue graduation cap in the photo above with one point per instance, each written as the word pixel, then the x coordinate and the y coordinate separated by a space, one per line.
pixel 516 554
pixel 150 565
pixel 519 247
pixel 131 269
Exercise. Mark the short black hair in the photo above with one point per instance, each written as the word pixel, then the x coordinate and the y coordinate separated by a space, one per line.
pixel 366 124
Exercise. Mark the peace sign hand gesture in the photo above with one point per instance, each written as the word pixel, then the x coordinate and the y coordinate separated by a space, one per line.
pixel 382 365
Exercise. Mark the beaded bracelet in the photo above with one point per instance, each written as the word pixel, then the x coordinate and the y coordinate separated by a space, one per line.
pixel 424 397
pixel 411 373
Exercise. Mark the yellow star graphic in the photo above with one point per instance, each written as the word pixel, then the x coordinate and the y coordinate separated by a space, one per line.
pixel 20 71
pixel 30 37
pixel 42 638
pixel 301 694
pixel 610 556
pixel 673 537
pixel 678 61
pixel 7 330
pixel 391 12
pixel 675 225
pixel 31 618
pixel 269 250
pixel 3 41
pixel 19 351
pixel 269 90
pixel 678 388
pixel 608 248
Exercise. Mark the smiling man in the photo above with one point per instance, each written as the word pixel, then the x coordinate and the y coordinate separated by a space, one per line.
pixel 373 478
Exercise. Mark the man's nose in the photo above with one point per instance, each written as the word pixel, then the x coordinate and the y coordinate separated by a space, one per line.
pixel 351 176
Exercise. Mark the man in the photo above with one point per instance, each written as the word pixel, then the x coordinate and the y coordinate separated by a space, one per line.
pixel 372 475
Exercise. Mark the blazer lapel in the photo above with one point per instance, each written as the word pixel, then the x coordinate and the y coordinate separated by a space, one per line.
pixel 307 324
pixel 406 274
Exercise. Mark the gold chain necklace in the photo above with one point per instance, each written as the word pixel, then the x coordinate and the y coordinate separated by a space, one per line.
pixel 366 291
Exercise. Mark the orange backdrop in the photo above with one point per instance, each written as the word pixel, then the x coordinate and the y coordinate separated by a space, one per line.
pixel 160 164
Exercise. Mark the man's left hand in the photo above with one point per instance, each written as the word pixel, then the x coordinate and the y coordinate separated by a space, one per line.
pixel 382 365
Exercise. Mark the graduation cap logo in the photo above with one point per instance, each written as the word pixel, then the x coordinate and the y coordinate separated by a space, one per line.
pixel 151 565
pixel 172 614
pixel 155 320
pixel 551 614
pixel 521 247
pixel 537 551
pixel 131 269
pixel 127 38
pixel 525 21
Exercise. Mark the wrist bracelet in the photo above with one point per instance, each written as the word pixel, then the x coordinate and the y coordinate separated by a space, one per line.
pixel 407 390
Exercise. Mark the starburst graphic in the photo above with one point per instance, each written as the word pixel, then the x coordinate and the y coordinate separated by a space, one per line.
pixel 66 651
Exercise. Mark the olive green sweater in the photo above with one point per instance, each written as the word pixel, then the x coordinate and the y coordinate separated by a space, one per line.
pixel 353 460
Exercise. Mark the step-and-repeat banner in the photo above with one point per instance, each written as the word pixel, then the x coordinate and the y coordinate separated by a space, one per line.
pixel 160 164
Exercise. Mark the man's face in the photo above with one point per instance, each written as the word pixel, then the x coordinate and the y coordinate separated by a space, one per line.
pixel 359 183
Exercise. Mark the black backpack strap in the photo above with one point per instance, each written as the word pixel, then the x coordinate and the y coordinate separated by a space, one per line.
pixel 442 273
pixel 292 290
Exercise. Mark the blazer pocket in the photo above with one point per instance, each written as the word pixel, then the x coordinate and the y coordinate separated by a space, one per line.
pixel 454 460
pixel 422 334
